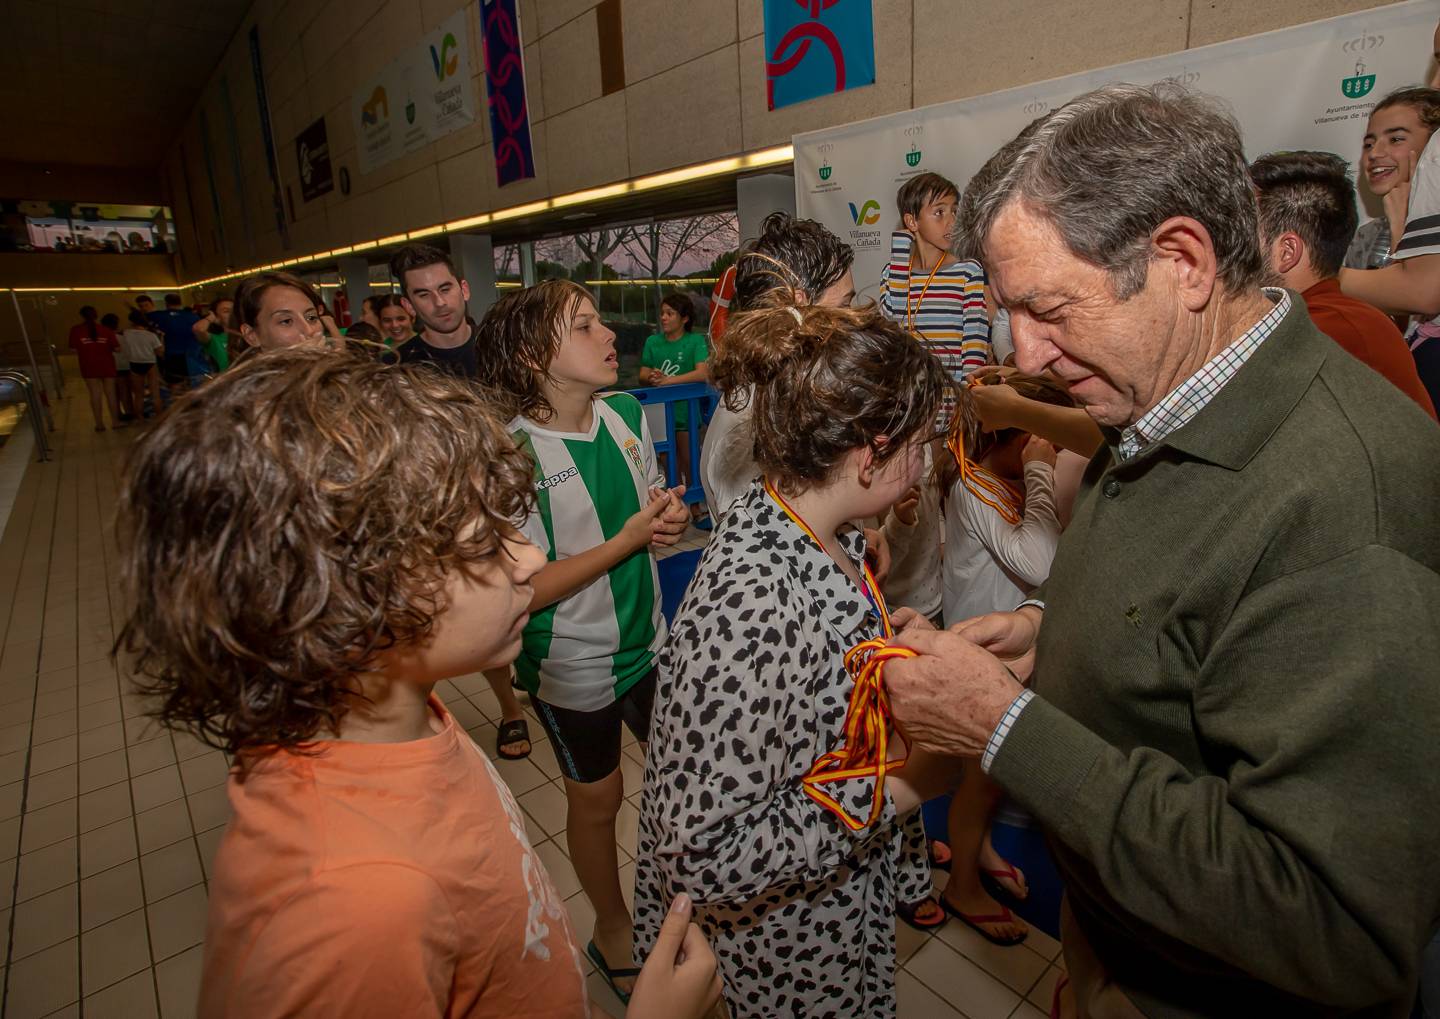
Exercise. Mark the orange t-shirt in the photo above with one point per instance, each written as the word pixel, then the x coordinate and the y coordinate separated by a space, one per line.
pixel 384 879
pixel 1369 335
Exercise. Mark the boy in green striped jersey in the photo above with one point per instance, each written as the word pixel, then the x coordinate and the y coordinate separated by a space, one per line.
pixel 588 653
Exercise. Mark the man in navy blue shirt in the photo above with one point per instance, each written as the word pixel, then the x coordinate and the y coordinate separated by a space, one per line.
pixel 184 364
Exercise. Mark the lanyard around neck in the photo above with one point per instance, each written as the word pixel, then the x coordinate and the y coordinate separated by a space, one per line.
pixel 864 751
pixel 911 313
pixel 868 585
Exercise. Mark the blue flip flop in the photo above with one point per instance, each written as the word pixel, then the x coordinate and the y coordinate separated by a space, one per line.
pixel 611 975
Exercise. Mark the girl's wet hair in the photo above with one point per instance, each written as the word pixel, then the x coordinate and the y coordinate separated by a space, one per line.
pixel 825 381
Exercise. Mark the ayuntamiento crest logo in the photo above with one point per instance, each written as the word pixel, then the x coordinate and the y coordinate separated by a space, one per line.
pixel 825 170
pixel 865 214
pixel 1358 86
pixel 912 158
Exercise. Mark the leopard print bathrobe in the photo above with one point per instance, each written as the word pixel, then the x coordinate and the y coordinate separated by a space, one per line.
pixel 753 689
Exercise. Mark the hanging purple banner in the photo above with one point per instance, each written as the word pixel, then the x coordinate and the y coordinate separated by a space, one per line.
pixel 505 82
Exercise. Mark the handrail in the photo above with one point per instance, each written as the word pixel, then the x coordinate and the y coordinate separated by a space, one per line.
pixel 59 372
pixel 32 408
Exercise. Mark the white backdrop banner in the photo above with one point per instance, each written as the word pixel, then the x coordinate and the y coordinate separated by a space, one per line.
pixel 1307 87
pixel 421 95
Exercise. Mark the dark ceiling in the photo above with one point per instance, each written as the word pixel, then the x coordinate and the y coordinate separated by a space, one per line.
pixel 105 82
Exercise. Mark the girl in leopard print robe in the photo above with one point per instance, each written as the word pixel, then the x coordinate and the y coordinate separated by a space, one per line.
pixel 753 687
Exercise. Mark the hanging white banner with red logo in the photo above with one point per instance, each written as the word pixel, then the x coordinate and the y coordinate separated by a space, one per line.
pixel 1307 87
pixel 421 95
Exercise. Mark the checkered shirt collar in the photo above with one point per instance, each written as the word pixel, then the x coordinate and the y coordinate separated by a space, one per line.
pixel 1190 397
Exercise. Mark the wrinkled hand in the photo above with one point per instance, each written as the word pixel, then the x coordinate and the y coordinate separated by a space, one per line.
pixel 877 551
pixel 906 618
pixel 907 509
pixel 669 527
pixel 1038 450
pixel 1009 636
pixel 949 699
pixel 680 979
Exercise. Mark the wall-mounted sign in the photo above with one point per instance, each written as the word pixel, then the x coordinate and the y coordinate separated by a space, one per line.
pixel 814 49
pixel 422 95
pixel 312 148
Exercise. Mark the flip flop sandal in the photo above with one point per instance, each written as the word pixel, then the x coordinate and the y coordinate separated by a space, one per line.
pixel 931 845
pixel 974 920
pixel 1060 984
pixel 909 912
pixel 611 975
pixel 512 732
pixel 990 879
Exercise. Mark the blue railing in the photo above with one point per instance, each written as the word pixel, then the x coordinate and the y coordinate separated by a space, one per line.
pixel 702 400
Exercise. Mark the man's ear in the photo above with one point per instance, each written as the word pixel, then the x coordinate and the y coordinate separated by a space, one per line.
pixel 1186 244
pixel 1287 252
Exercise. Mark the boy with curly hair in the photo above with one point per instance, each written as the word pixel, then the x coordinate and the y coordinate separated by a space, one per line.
pixel 313 541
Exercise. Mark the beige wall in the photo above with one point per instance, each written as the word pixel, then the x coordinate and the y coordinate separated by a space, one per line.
pixel 695 90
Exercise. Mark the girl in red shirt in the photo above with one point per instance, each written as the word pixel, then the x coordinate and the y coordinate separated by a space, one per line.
pixel 95 347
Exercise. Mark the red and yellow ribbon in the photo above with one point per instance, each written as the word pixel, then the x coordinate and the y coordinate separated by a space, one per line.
pixel 994 491
pixel 909 313
pixel 864 752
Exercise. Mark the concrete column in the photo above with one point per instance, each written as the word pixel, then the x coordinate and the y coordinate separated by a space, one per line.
pixel 758 196
pixel 527 263
pixel 355 271
pixel 474 256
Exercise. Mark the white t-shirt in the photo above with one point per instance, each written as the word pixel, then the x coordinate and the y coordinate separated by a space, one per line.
pixel 727 459
pixel 140 345
pixel 1422 221
pixel 992 565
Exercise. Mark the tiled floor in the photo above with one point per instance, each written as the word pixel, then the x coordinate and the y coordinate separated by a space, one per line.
pixel 108 825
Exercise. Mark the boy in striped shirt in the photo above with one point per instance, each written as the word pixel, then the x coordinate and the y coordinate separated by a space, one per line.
pixel 932 293
pixel 588 653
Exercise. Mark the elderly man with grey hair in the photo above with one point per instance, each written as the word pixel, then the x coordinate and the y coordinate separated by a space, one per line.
pixel 1231 734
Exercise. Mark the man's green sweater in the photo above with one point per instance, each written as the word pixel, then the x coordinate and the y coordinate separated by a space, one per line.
pixel 1235 743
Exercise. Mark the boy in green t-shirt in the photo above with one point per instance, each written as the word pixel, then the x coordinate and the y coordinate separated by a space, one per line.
pixel 672 356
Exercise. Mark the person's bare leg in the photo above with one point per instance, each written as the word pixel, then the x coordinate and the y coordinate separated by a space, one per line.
pixel 92 387
pixel 108 385
pixel 137 395
pixel 510 709
pixel 590 831
pixel 686 476
pixel 153 379
pixel 1001 870
pixel 969 822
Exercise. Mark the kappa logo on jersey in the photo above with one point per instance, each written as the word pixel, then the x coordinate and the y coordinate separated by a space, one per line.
pixel 558 479
pixel 632 450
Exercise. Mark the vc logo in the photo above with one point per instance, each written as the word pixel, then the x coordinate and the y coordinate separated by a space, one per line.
pixel 865 214
pixel 446 60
